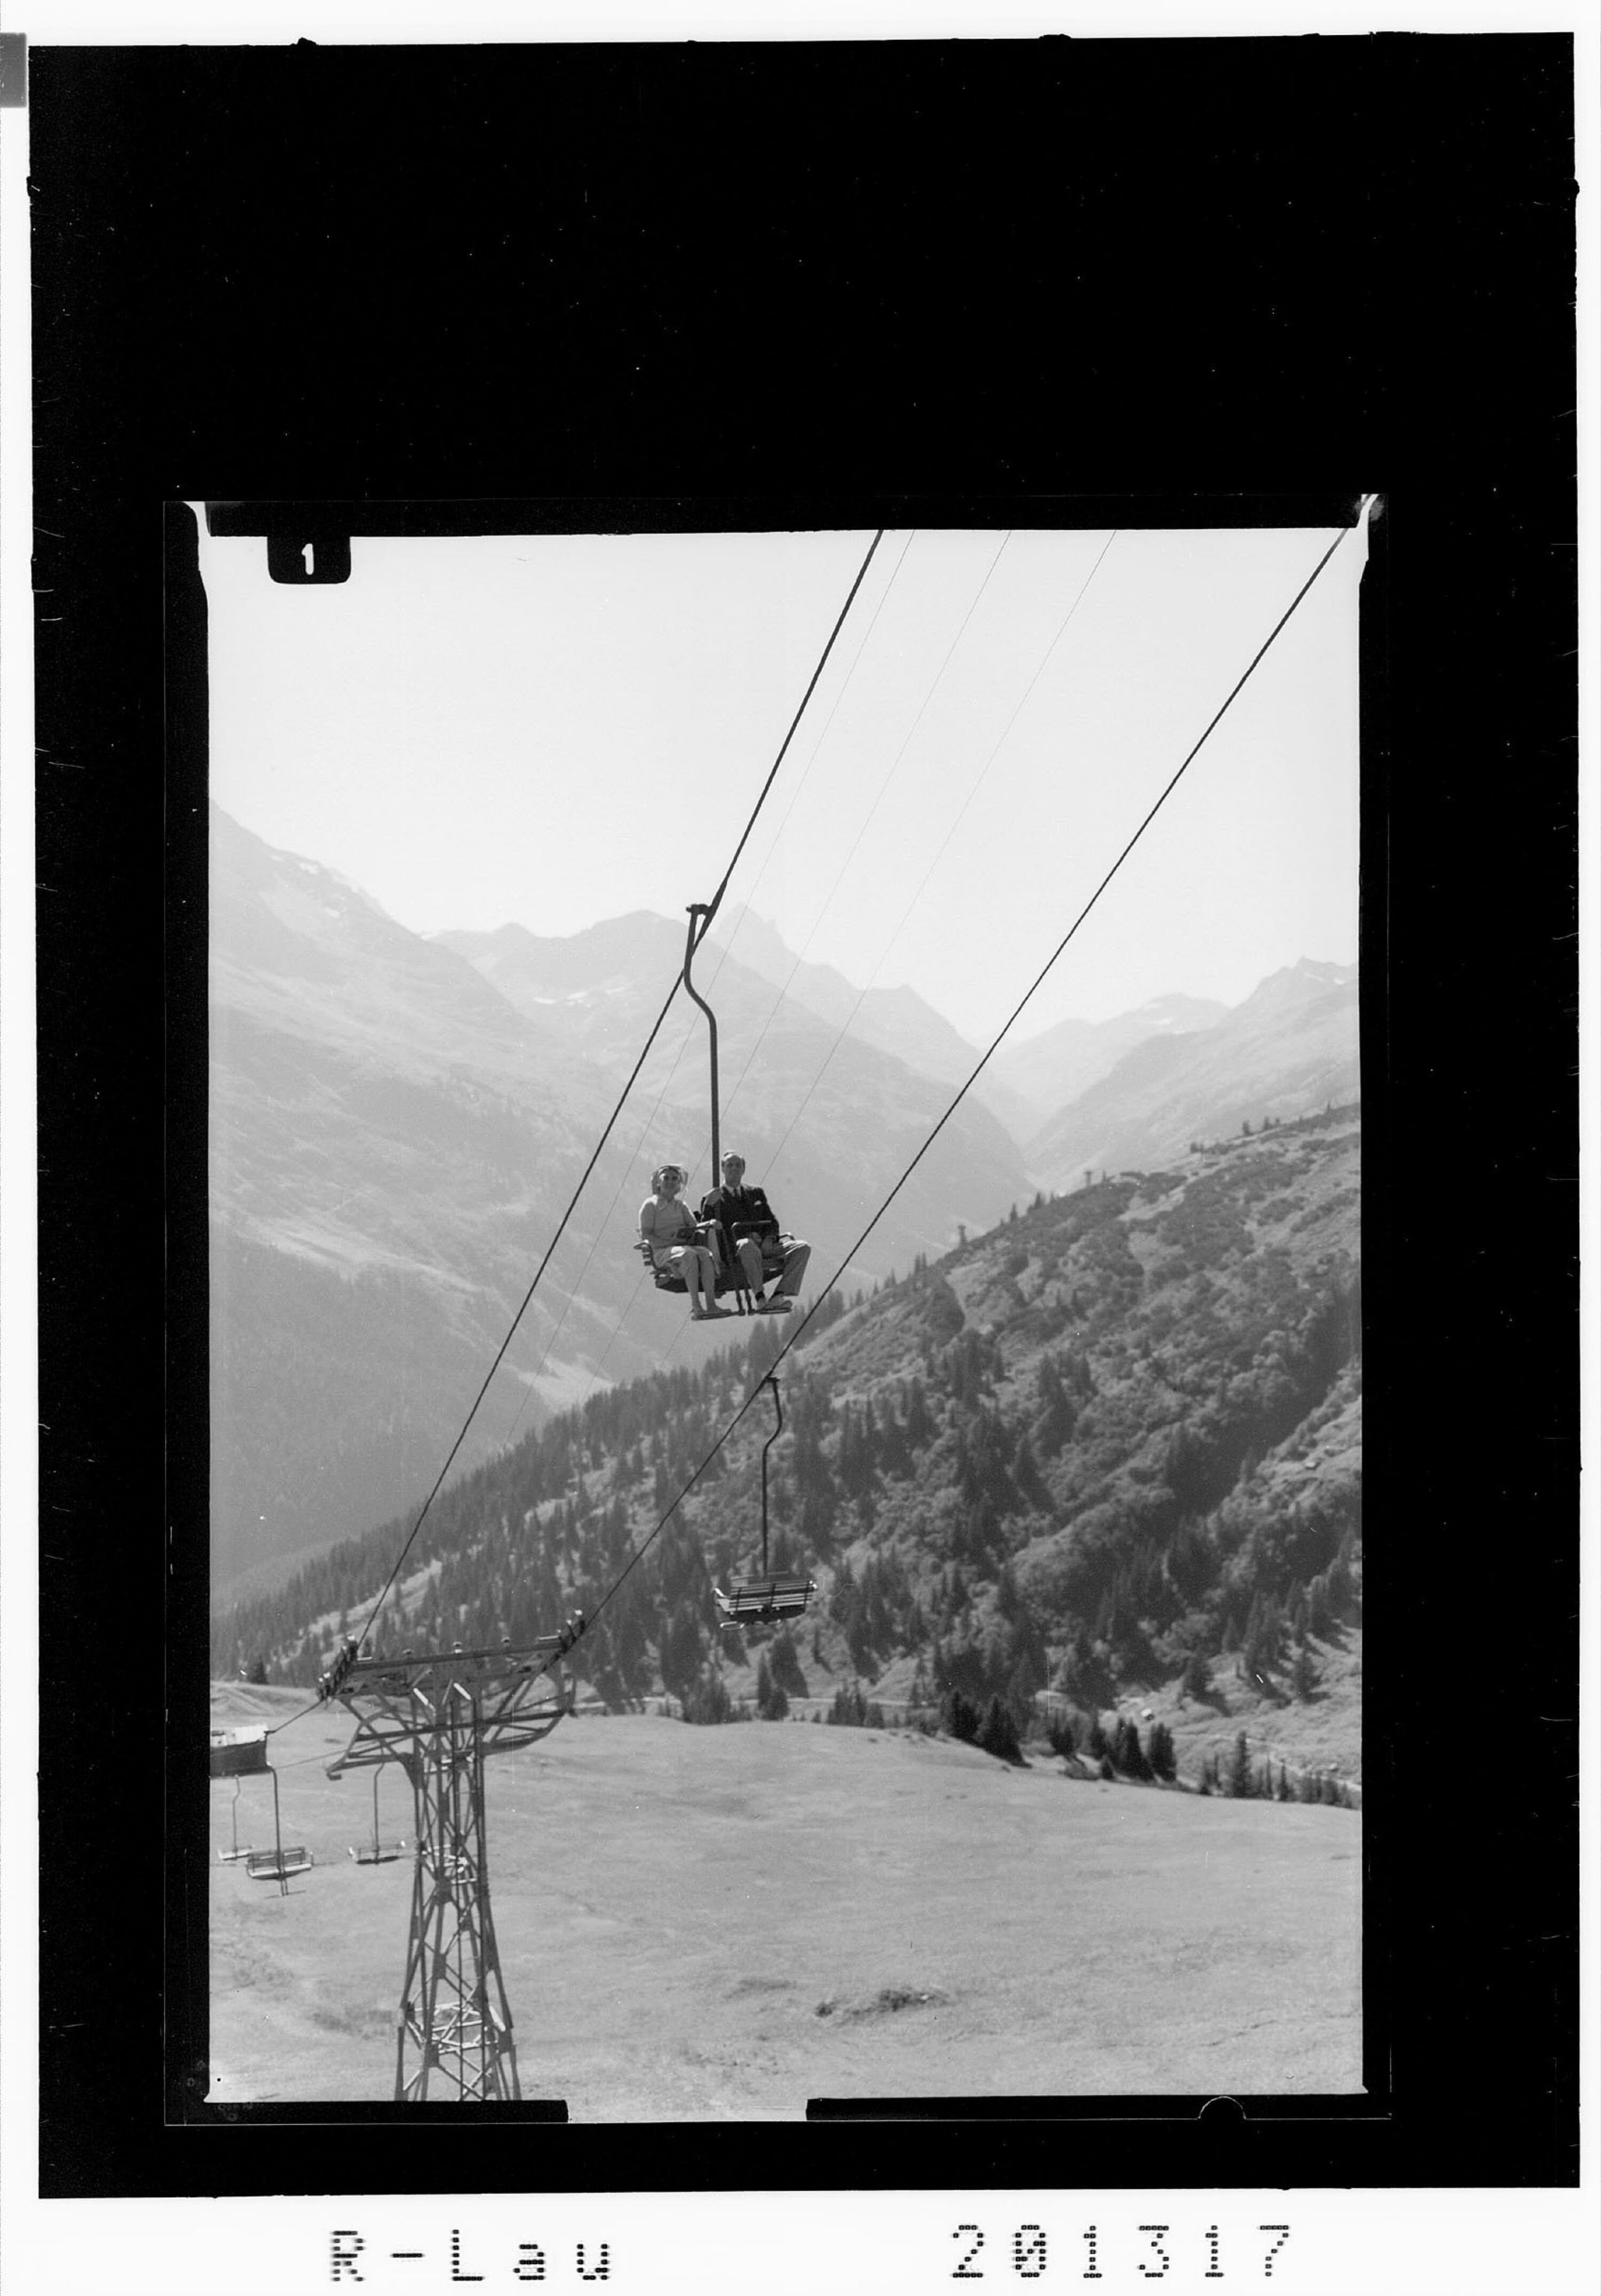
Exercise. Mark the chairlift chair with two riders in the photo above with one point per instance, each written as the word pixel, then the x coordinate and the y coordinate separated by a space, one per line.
pixel 775 1247
pixel 772 1596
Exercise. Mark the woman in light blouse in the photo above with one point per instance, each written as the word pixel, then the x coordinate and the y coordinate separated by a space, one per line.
pixel 668 1229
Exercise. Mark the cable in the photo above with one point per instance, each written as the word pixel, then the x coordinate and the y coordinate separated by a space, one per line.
pixel 500 1354
pixel 867 822
pixel 724 954
pixel 996 1040
pixel 990 760
pixel 961 1093
pixel 611 1122
pixel 834 712
pixel 713 905
pixel 923 883
pixel 793 1339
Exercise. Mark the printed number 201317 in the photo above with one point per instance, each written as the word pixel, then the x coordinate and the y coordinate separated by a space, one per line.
pixel 1150 2256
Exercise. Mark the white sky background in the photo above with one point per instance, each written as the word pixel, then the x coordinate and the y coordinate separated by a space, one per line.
pixel 551 731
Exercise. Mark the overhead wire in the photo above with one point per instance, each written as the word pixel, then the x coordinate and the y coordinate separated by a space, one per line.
pixel 612 1119
pixel 793 1338
pixel 713 905
pixel 995 752
pixel 723 955
pixel 960 817
pixel 823 735
pixel 867 822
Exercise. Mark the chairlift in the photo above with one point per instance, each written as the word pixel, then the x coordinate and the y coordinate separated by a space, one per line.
pixel 773 1594
pixel 376 1852
pixel 242 1754
pixel 709 1233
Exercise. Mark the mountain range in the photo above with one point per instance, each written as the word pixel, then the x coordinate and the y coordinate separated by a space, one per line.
pixel 1048 1071
pixel 1290 1048
pixel 397 1127
pixel 398 1123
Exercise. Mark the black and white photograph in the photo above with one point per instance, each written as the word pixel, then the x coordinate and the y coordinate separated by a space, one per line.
pixel 791 938
pixel 785 1149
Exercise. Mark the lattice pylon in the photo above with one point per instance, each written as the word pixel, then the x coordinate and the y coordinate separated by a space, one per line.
pixel 454 2032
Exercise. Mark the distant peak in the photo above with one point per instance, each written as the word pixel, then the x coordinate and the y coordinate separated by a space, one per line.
pixel 1308 977
pixel 1312 968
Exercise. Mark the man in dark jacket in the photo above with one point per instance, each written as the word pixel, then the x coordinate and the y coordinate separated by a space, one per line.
pixel 751 1234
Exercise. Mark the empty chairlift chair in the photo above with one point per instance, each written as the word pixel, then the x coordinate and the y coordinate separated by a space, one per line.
pixel 376 1852
pixel 773 1594
pixel 242 1754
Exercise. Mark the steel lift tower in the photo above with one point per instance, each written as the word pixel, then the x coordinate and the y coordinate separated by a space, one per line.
pixel 438 1715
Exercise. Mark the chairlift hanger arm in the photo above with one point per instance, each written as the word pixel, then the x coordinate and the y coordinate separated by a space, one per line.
pixel 770 1381
pixel 705 911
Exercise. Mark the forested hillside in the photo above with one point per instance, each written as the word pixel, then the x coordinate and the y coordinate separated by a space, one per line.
pixel 1113 1443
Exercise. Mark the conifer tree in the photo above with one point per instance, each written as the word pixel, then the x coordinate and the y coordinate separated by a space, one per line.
pixel 1317 1610
pixel 998 1734
pixel 1239 1770
pixel 708 1699
pixel 786 1663
pixel 1126 1755
pixel 1054 1417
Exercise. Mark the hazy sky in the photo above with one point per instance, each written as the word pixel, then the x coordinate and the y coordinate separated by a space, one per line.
pixel 554 731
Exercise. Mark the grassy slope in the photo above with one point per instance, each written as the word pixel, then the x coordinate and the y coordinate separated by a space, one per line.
pixel 704 1924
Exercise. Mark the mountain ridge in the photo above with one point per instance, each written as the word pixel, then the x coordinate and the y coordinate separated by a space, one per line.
pixel 1110 1447
pixel 1290 1047
pixel 394 1140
